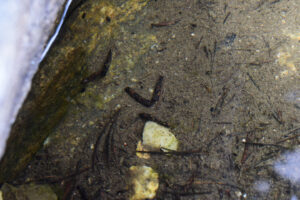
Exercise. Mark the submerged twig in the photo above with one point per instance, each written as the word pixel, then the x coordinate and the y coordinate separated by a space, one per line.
pixel 246 149
pixel 94 155
pixel 252 80
pixel 200 182
pixel 107 133
pixel 264 144
pixel 222 122
pixel 187 193
pixel 172 152
pixel 291 137
pixel 226 17
pixel 71 183
pixel 217 110
pixel 277 117
pixel 55 179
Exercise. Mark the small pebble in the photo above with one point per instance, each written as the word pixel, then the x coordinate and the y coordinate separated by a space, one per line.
pixel 92 146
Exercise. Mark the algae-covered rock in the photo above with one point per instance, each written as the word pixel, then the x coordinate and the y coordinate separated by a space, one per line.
pixel 80 50
pixel 44 107
pixel 144 181
pixel 141 147
pixel 31 191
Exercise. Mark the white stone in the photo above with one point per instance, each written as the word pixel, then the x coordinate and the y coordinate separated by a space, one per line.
pixel 157 137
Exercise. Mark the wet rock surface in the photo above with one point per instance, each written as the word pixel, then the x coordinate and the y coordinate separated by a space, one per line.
pixel 30 191
pixel 27 28
pixel 229 70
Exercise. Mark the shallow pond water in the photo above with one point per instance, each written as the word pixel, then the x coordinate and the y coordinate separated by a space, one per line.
pixel 229 95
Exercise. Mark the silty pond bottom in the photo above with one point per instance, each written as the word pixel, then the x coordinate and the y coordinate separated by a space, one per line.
pixel 229 93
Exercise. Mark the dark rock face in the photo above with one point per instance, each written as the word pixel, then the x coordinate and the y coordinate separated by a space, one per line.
pixel 82 44
pixel 28 26
pixel 44 107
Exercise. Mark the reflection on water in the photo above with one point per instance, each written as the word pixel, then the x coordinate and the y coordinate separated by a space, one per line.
pixel 262 186
pixel 294 97
pixel 24 43
pixel 294 198
pixel 286 166
pixel 289 166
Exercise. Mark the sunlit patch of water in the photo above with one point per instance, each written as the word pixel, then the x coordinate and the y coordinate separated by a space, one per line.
pixel 288 166
pixel 262 186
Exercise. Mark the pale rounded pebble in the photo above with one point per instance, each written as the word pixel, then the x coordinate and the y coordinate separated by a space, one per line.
pixel 157 137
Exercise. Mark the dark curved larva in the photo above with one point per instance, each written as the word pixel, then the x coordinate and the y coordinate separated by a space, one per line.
pixel 102 72
pixel 145 102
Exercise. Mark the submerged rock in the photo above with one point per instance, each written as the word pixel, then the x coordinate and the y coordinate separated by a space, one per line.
pixel 28 26
pixel 144 181
pixel 60 76
pixel 31 191
pixel 159 137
